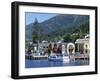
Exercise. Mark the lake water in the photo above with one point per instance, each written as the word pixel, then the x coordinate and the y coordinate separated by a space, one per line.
pixel 48 63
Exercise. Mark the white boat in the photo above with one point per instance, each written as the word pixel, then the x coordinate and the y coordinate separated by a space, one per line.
pixel 59 58
pixel 66 59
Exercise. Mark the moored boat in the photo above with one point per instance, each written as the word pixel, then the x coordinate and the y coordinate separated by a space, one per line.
pixel 59 58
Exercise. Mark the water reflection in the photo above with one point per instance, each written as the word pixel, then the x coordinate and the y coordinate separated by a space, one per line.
pixel 47 63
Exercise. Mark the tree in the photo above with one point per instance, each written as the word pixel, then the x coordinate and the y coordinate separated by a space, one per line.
pixel 67 38
pixel 36 31
pixel 74 38
pixel 83 30
pixel 36 34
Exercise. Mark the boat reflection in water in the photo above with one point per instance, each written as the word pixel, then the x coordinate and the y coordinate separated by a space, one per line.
pixel 48 63
pixel 60 58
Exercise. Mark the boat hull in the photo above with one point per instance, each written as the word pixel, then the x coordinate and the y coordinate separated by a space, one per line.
pixel 59 58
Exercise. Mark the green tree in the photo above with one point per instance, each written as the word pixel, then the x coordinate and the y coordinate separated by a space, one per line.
pixel 67 38
pixel 74 38
pixel 36 35
pixel 83 30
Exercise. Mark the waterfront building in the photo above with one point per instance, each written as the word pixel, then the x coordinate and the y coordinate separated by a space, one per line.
pixel 82 46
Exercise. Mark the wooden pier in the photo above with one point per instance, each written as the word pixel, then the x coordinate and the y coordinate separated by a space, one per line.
pixel 71 57
pixel 79 56
pixel 33 57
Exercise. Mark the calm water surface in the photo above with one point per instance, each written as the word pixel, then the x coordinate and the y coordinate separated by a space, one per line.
pixel 48 63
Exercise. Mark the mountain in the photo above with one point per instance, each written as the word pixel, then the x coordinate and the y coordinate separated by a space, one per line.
pixel 57 25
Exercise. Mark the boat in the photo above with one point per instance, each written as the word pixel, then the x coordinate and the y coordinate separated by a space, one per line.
pixel 59 58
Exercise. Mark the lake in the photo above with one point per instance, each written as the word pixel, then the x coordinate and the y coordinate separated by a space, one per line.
pixel 48 63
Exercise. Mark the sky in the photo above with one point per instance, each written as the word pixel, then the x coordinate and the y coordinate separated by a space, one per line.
pixel 30 17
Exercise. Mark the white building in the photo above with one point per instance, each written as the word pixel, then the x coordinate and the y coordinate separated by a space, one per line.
pixel 82 46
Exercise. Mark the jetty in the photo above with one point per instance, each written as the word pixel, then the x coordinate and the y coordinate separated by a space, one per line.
pixel 79 56
pixel 36 57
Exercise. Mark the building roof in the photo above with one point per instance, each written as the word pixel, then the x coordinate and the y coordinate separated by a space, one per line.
pixel 79 41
